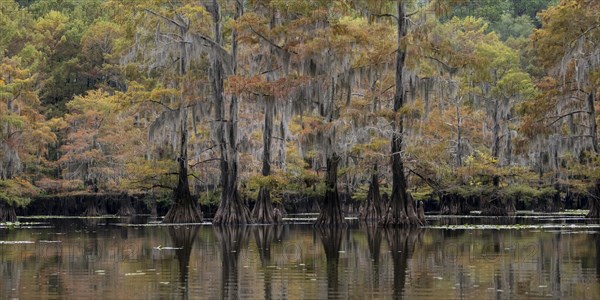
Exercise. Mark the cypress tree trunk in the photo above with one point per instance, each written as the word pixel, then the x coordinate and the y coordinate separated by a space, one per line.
pixel 92 207
pixel 402 211
pixel 231 210
pixel 184 208
pixel 370 210
pixel 125 207
pixel 594 212
pixel 263 211
pixel 331 209
pixel 595 195
pixel 7 212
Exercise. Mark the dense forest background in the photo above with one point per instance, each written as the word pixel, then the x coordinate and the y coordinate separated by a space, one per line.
pixel 475 104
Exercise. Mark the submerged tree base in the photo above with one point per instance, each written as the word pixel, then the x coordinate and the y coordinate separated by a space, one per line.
pixel 92 208
pixel 496 205
pixel 331 212
pixel 370 211
pixel 453 204
pixel 183 212
pixel 264 212
pixel 595 203
pixel 404 216
pixel 331 208
pixel 232 212
pixel 125 209
pixel 7 212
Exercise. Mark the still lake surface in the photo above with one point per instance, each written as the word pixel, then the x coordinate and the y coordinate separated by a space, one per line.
pixel 544 257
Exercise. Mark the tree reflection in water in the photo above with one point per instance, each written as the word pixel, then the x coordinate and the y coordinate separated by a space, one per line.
pixel 264 236
pixel 374 238
pixel 232 239
pixel 331 237
pixel 597 235
pixel 183 238
pixel 402 242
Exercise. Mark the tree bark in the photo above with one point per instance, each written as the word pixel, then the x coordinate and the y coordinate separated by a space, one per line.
pixel 593 126
pixel 92 208
pixel 231 210
pixel 371 209
pixel 7 212
pixel 401 212
pixel 459 145
pixel 125 207
pixel 331 209
pixel 595 195
pixel 184 208
pixel 263 211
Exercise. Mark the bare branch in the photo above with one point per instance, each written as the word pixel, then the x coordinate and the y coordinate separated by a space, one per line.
pixel 584 33
pixel 450 69
pixel 270 41
pixel 428 181
pixel 558 118
pixel 164 18
pixel 205 161
pixel 387 15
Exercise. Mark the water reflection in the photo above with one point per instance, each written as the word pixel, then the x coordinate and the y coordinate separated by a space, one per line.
pixel 183 238
pixel 331 237
pixel 597 235
pixel 68 259
pixel 232 239
pixel 374 238
pixel 264 237
pixel 402 242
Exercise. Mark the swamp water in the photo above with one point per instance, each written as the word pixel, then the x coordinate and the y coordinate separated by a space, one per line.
pixel 471 257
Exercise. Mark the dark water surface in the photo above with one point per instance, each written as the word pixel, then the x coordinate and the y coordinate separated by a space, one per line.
pixel 554 257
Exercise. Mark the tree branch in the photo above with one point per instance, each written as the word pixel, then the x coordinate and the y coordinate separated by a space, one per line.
pixel 584 33
pixel 387 15
pixel 223 52
pixel 446 66
pixel 205 161
pixel 429 182
pixel 270 41
pixel 164 105
pixel 163 17
pixel 558 118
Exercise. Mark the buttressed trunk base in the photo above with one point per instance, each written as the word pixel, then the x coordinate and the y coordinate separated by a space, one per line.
pixel 331 208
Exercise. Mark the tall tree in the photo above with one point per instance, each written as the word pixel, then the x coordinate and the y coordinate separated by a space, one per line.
pixel 567 47
pixel 176 46
pixel 231 209
pixel 24 136
pixel 268 91
pixel 403 210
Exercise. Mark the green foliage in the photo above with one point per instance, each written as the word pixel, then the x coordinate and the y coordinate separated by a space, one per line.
pixel 513 27
pixel 211 197
pixel 17 191
pixel 528 193
pixel 424 194
pixel 83 81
